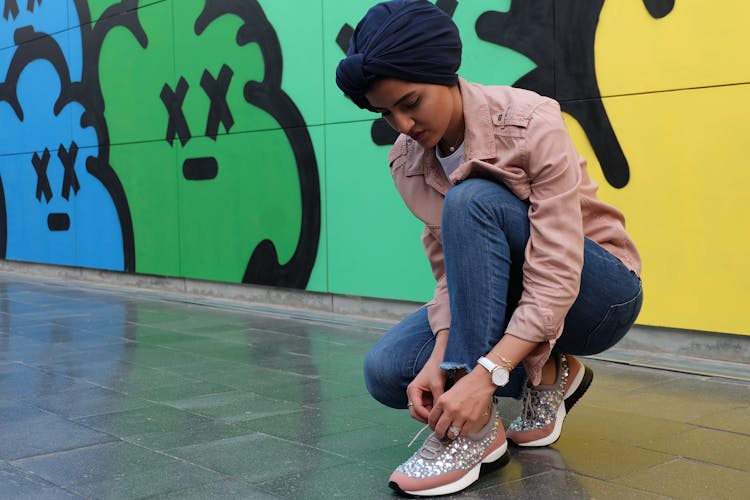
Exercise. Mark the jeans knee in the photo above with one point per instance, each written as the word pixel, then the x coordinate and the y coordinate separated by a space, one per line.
pixel 380 381
pixel 459 197
pixel 477 196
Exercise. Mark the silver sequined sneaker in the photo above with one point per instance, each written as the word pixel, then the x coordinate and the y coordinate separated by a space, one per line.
pixel 545 406
pixel 441 467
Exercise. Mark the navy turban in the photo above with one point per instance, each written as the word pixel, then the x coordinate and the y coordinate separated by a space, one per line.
pixel 411 40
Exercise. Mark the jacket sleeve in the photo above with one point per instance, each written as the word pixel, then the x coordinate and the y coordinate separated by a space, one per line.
pixel 554 252
pixel 438 309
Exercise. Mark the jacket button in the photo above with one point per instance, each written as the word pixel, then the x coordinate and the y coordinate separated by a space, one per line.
pixel 409 141
pixel 500 117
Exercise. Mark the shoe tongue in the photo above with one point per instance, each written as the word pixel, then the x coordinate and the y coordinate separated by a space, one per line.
pixel 431 447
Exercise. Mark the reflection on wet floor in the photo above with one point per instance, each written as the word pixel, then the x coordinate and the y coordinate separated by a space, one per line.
pixel 123 394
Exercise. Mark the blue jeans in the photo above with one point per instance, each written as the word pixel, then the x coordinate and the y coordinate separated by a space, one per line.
pixel 484 286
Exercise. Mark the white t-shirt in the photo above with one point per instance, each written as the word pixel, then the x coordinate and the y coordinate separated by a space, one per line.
pixel 451 162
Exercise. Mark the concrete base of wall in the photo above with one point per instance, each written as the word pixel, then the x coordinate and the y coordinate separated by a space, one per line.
pixel 689 351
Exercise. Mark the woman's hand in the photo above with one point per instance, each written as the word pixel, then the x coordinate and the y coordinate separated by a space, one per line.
pixel 429 383
pixel 465 406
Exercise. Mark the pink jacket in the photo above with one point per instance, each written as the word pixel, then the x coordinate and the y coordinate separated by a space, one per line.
pixel 518 138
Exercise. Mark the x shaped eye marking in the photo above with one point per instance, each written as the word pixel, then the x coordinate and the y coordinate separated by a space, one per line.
pixel 10 8
pixel 217 90
pixel 42 183
pixel 68 159
pixel 30 5
pixel 173 100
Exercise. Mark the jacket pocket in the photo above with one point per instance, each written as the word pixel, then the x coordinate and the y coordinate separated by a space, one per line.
pixel 510 124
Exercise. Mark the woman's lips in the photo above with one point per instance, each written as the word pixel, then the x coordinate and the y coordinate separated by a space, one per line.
pixel 418 136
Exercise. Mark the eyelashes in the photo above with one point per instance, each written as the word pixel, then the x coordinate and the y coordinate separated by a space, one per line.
pixel 413 104
pixel 218 114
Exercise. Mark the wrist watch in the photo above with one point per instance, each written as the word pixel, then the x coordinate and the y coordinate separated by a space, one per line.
pixel 500 374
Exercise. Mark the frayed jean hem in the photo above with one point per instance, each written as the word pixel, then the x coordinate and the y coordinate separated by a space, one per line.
pixel 455 366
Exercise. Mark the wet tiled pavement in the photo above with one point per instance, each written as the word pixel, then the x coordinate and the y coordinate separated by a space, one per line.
pixel 108 393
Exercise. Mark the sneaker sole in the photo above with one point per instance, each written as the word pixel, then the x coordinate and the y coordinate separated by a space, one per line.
pixel 498 458
pixel 580 388
pixel 577 389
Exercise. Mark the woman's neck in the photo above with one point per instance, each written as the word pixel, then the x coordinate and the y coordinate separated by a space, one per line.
pixel 454 136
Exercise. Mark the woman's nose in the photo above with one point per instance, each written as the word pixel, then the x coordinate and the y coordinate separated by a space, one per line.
pixel 403 123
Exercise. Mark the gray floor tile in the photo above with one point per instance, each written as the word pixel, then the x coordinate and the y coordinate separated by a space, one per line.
pixel 257 457
pixel 155 356
pixel 561 485
pixel 108 393
pixel 687 479
pixel 734 420
pixel 674 400
pixel 153 419
pixel 341 481
pixel 84 402
pixel 221 490
pixel 28 431
pixel 706 445
pixel 180 390
pixel 117 470
pixel 358 443
pixel 306 425
pixel 603 459
pixel 20 380
pixel 626 427
pixel 236 406
pixel 15 483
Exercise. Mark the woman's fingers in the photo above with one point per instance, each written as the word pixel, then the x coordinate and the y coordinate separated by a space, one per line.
pixel 448 425
pixel 458 411
pixel 456 429
pixel 417 404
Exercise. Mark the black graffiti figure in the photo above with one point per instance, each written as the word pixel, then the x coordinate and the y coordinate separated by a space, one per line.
pixel 559 38
pixel 204 166
pixel 11 7
pixel 264 268
pixel 59 202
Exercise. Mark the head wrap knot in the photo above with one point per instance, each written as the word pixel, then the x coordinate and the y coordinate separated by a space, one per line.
pixel 410 40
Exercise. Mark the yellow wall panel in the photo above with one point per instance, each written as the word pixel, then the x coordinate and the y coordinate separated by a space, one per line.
pixel 686 203
pixel 697 44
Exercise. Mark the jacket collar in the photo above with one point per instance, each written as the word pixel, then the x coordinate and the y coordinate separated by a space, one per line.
pixel 479 134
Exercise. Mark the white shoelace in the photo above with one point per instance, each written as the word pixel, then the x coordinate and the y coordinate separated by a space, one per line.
pixel 421 431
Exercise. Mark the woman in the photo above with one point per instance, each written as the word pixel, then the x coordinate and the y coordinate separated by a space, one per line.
pixel 531 267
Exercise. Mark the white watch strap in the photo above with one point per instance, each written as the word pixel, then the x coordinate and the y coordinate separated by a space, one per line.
pixel 487 363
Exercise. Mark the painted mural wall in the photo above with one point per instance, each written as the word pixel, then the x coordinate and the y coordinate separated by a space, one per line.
pixel 207 139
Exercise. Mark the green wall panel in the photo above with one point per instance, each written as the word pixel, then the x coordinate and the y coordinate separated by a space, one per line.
pixel 103 9
pixel 148 173
pixel 304 75
pixel 336 16
pixel 319 277
pixel 255 195
pixel 374 244
pixel 486 62
pixel 133 76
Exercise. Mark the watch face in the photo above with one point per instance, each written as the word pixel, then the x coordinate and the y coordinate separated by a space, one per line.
pixel 500 376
